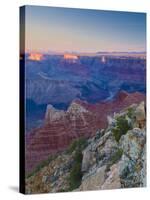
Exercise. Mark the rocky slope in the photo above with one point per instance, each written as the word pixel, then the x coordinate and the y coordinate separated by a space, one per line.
pixel 80 120
pixel 115 157
pixel 61 127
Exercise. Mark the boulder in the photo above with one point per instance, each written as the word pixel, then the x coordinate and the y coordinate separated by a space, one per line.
pixel 140 115
pixel 132 143
pixel 113 180
pixel 94 181
pixel 108 147
pixel 88 160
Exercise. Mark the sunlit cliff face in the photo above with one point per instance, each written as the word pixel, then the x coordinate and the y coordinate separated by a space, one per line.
pixel 70 57
pixel 35 56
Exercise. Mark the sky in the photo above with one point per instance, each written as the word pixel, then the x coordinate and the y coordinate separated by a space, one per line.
pixel 80 30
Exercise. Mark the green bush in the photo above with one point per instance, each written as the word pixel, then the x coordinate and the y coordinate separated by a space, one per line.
pixel 78 156
pixel 115 158
pixel 80 143
pixel 116 134
pixel 130 112
pixel 75 175
pixel 121 128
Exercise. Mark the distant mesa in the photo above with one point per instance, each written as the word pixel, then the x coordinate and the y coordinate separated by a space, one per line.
pixel 35 56
pixel 70 57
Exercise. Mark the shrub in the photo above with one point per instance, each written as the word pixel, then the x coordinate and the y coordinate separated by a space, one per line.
pixel 115 157
pixel 75 175
pixel 116 134
pixel 80 143
pixel 130 112
pixel 78 156
pixel 121 128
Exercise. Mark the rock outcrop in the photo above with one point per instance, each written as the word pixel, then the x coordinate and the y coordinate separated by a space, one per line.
pixel 125 159
pixel 80 120
pixel 106 163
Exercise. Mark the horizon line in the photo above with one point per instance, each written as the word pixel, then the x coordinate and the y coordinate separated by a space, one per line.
pixel 82 52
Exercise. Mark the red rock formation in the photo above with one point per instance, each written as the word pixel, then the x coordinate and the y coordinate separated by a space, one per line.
pixel 70 56
pixel 35 56
pixel 61 127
